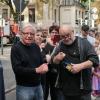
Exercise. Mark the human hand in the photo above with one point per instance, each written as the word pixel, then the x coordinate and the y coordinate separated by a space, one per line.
pixel 42 45
pixel 59 57
pixel 98 75
pixel 75 68
pixel 48 58
pixel 42 68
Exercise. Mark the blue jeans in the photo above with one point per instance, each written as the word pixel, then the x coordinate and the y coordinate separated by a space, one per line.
pixel 29 93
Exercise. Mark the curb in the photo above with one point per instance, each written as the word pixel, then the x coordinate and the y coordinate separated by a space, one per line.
pixel 10 90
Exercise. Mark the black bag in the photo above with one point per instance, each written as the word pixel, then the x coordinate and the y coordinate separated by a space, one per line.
pixel 2 90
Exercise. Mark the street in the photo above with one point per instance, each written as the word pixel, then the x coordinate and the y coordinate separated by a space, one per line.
pixel 9 79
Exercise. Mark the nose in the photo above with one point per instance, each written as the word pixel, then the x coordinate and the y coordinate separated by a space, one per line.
pixel 29 36
pixel 67 37
pixel 40 36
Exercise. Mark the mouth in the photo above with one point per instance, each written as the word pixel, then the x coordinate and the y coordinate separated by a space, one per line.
pixel 29 39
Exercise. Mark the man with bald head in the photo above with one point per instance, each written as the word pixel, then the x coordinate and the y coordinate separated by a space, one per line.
pixel 67 38
pixel 75 56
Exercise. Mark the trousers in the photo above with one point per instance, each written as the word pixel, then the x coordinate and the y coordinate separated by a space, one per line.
pixel 82 97
pixel 29 93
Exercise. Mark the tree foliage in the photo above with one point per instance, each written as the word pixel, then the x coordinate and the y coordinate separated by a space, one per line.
pixel 87 0
pixel 13 12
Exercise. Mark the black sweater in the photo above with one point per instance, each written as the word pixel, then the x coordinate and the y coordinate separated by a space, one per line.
pixel 24 60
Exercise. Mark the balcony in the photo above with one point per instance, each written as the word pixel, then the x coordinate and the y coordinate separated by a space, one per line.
pixel 72 3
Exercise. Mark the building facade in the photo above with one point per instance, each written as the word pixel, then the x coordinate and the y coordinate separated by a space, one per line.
pixel 71 12
pixel 60 12
pixel 39 12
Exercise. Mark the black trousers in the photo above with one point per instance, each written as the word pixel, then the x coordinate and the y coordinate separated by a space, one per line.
pixel 83 97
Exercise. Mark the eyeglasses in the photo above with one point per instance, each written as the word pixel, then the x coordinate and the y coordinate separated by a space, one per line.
pixel 28 33
pixel 66 36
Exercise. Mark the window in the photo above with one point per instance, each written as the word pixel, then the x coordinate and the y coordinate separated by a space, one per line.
pixel 31 14
pixel 5 13
pixel 76 14
pixel 67 2
pixel 55 15
pixel 82 15
pixel 22 17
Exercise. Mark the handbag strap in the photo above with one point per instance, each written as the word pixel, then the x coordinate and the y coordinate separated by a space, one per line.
pixel 80 46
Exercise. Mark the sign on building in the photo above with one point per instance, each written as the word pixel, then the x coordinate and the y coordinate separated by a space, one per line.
pixel 65 16
pixel 20 4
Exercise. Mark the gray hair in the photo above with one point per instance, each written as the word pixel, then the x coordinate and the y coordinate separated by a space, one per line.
pixel 25 25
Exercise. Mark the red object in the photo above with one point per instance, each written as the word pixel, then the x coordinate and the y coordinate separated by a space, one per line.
pixel 56 38
pixel 15 29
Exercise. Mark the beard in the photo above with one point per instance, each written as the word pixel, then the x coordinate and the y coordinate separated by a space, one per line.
pixel 70 41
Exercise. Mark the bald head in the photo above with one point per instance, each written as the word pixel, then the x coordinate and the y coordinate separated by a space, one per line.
pixel 67 34
pixel 66 28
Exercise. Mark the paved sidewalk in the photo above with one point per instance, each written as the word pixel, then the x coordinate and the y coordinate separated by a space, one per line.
pixel 9 78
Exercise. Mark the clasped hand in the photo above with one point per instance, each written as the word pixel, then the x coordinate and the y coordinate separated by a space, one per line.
pixel 59 57
pixel 75 68
pixel 42 68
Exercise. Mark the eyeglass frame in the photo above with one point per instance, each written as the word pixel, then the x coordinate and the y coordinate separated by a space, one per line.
pixel 68 35
pixel 28 33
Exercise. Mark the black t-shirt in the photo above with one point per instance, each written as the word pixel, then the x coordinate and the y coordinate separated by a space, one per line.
pixel 70 81
pixel 51 75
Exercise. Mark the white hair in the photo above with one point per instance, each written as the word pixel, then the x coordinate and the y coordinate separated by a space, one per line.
pixel 25 25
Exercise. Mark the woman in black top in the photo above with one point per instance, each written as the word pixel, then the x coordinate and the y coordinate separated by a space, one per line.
pixel 51 76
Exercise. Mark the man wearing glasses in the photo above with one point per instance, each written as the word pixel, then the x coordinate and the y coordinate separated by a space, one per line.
pixel 27 65
pixel 75 57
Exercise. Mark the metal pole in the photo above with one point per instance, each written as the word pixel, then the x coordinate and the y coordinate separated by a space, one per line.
pixel 20 13
pixel 89 12
pixel 65 2
pixel 2 44
pixel 1 34
pixel 59 14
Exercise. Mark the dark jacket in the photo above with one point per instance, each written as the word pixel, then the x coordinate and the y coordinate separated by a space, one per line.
pixel 24 60
pixel 81 50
